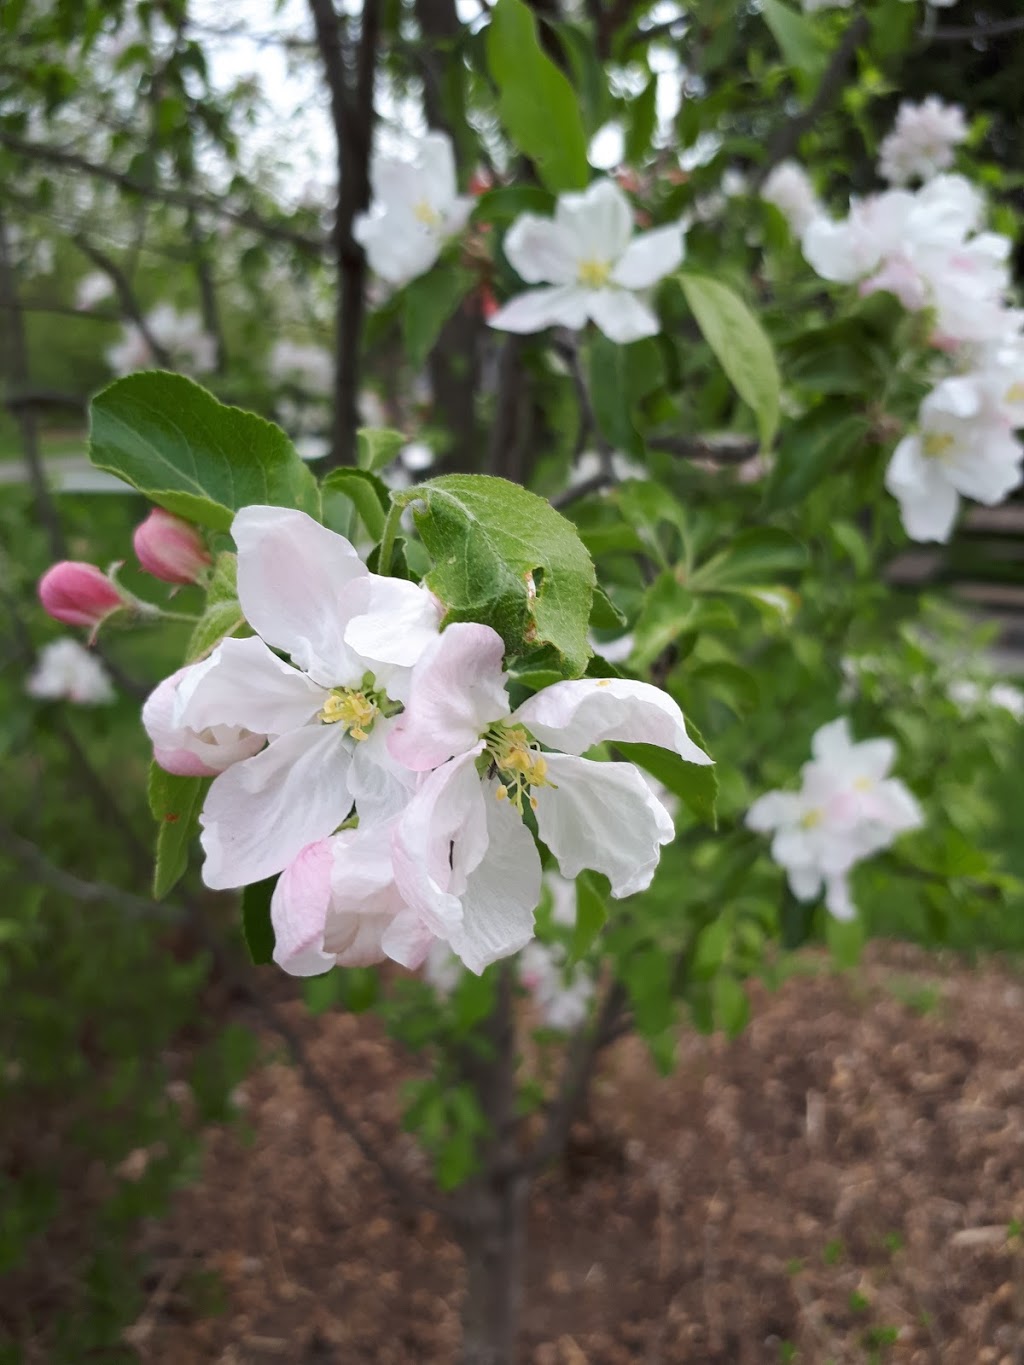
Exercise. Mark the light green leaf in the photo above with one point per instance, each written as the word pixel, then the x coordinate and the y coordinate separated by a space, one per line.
pixel 797 38
pixel 604 614
pixel 755 557
pixel 503 556
pixel 377 447
pixel 537 105
pixel 591 912
pixel 256 925
pixel 428 303
pixel 731 1003
pixel 175 803
pixel 643 118
pixel 173 441
pixel 217 622
pixel 366 492
pixel 668 610
pixel 740 345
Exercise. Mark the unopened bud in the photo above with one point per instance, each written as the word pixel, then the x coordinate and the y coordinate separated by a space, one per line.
pixel 170 549
pixel 79 594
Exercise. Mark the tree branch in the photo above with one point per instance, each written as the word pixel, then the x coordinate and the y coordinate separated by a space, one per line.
pixel 966 33
pixel 126 296
pixel 246 218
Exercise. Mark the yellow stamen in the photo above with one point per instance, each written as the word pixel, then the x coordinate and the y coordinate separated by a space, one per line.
pixel 604 682
pixel 1015 393
pixel 937 444
pixel 352 710
pixel 812 819
pixel 863 784
pixel 425 213
pixel 519 763
pixel 593 274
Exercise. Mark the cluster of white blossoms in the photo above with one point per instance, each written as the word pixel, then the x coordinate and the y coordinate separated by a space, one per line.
pixel 922 142
pixel 381 769
pixel 416 209
pixel 181 335
pixel 930 250
pixel 302 365
pixel 67 671
pixel 972 696
pixel 847 809
pixel 789 188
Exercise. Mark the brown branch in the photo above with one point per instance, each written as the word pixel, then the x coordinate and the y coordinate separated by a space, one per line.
pixel 786 140
pixel 207 291
pixel 245 218
pixel 966 33
pixel 126 297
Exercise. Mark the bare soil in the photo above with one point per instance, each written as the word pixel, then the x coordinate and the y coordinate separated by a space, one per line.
pixel 842 1183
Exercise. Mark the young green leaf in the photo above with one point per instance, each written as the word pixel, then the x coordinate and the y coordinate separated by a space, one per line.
pixel 366 492
pixel 503 556
pixel 740 345
pixel 175 803
pixel 173 441
pixel 256 925
pixel 591 912
pixel 377 447
pixel 797 38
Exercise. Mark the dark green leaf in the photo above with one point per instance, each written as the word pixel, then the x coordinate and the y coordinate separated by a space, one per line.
pixel 609 394
pixel 755 557
pixel 667 612
pixel 428 303
pixel 175 803
pixel 591 912
pixel 256 925
pixel 694 783
pixel 643 116
pixel 604 614
pixel 173 441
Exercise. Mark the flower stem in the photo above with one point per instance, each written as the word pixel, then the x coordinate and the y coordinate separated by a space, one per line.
pixel 387 540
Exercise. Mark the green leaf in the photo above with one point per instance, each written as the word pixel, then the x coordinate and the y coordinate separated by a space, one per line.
pixel 369 496
pixel 591 912
pixel 736 686
pixel 815 447
pixel 609 394
pixel 604 614
pixel 175 803
pixel 643 116
pixel 216 623
pixel 845 939
pixel 377 447
pixel 428 303
pixel 503 556
pixel 536 103
pixel 667 612
pixel 256 925
pixel 740 345
pixel 797 38
pixel 694 783
pixel 755 557
pixel 507 202
pixel 731 1003
pixel 322 993
pixel 173 441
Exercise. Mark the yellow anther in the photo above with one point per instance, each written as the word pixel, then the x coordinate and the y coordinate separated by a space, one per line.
pixel 1015 393
pixel 425 213
pixel 937 444
pixel 812 819
pixel 863 784
pixel 604 682
pixel 593 274
pixel 353 711
pixel 501 794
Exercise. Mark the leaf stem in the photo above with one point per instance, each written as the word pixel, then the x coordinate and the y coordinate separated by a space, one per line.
pixel 387 539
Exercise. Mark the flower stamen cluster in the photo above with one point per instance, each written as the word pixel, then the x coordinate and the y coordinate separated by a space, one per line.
pixel 516 759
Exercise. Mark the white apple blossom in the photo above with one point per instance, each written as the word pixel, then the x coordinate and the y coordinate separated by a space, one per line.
pixel 922 141
pixel 789 188
pixel 562 995
pixel 813 6
pixel 964 446
pixel 66 670
pixel 970 696
pixel 847 809
pixel 416 208
pixel 190 349
pixel 463 857
pixel 592 265
pixel 307 367
pixel 92 289
pixel 352 637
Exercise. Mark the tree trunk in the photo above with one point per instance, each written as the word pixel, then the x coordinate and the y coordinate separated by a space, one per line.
pixel 494 1246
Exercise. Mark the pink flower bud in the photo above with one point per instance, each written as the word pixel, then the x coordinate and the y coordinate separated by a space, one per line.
pixel 79 594
pixel 170 549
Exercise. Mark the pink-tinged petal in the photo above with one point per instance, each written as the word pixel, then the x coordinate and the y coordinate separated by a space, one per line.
pixel 170 549
pixel 298 912
pixel 381 786
pixel 398 622
pixel 364 898
pixel 573 716
pixel 602 816
pixel 439 839
pixel 294 579
pixel 262 813
pixel 563 305
pixel 457 691
pixel 540 252
pixel 649 258
pixel 188 752
pixel 501 893
pixel 79 594
pixel 243 683
pixel 407 940
pixel 622 316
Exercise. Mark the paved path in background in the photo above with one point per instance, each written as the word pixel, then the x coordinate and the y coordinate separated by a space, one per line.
pixel 65 474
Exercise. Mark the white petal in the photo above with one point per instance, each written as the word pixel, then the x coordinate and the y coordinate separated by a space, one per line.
pixel 563 305
pixel 774 810
pixel 828 250
pixel 398 622
pixel 990 471
pixel 832 742
pixel 598 222
pixel 603 816
pixel 501 893
pixel 804 882
pixel 243 683
pixel 649 258
pixel 622 316
pixel 439 839
pixel 437 158
pixel 928 501
pixel 293 576
pixel 837 898
pixel 298 912
pixel 457 691
pixel 381 786
pixel 183 751
pixel 262 813
pixel 573 716
pixel 540 252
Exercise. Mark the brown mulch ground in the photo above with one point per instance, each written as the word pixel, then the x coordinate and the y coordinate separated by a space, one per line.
pixel 838 1184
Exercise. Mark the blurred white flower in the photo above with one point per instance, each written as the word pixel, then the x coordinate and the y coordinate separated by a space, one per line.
pixel 591 264
pixel 307 367
pixel 812 6
pixel 68 671
pixel 970 696
pixel 416 209
pixel 922 141
pixel 562 995
pixel 181 335
pixel 789 188
pixel 92 289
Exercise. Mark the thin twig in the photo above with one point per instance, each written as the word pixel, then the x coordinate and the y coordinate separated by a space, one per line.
pixel 966 33
pixel 126 297
pixel 596 483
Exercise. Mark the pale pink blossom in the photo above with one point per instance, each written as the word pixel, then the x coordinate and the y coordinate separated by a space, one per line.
pixel 171 549
pixel 922 141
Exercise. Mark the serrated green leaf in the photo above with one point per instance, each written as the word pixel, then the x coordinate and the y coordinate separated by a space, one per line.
pixel 256 925
pixel 428 303
pixel 217 622
pixel 741 347
pixel 365 491
pixel 377 447
pixel 503 556
pixel 536 103
pixel 591 912
pixel 175 803
pixel 694 783
pixel 173 441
